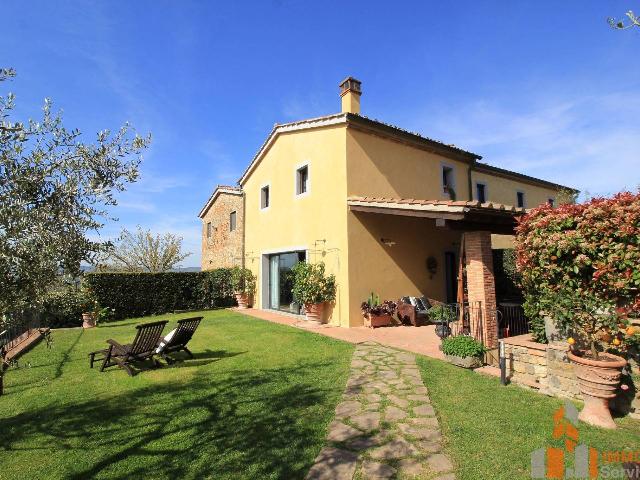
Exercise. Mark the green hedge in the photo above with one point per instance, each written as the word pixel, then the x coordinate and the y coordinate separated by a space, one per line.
pixel 140 294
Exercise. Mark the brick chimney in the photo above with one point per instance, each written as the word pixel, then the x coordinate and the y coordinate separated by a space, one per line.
pixel 350 91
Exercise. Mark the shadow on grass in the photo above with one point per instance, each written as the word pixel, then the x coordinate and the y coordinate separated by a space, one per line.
pixel 246 423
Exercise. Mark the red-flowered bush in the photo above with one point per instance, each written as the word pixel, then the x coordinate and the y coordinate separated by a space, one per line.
pixel 579 257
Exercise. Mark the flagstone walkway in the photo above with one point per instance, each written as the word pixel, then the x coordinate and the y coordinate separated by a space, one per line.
pixel 385 426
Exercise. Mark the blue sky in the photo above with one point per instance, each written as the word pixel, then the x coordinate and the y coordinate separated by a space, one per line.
pixel 542 87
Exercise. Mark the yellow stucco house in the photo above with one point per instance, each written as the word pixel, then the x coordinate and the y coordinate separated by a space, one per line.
pixel 373 202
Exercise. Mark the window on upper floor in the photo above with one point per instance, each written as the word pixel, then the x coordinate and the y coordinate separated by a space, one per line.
pixel 481 192
pixel 264 197
pixel 302 180
pixel 208 229
pixel 448 181
pixel 551 201
pixel 232 221
pixel 520 199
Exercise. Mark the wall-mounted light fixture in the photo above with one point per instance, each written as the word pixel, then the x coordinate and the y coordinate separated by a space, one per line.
pixel 388 242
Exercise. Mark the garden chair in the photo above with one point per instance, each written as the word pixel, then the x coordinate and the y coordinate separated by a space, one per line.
pixel 177 339
pixel 142 348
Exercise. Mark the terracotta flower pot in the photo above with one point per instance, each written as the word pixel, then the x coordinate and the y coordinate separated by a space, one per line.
pixel 88 320
pixel 372 321
pixel 242 299
pixel 314 311
pixel 598 381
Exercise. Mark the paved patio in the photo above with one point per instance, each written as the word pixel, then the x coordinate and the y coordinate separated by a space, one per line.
pixel 422 340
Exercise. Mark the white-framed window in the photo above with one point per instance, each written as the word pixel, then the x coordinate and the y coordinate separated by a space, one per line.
pixel 232 221
pixel 265 197
pixel 551 201
pixel 481 192
pixel 448 180
pixel 208 229
pixel 520 200
pixel 302 180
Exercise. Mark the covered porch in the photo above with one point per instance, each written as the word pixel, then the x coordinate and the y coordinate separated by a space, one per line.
pixel 451 257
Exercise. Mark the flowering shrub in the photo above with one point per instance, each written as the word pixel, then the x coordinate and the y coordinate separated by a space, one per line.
pixel 581 264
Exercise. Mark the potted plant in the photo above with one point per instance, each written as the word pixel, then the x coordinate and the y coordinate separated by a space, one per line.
pixel 243 284
pixel 463 351
pixel 313 288
pixel 377 314
pixel 597 330
pixel 89 308
pixel 441 315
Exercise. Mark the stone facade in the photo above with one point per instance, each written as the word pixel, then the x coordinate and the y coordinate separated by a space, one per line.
pixel 222 247
pixel 546 368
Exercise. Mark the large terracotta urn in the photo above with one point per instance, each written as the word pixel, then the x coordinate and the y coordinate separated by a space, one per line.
pixel 314 311
pixel 242 299
pixel 598 381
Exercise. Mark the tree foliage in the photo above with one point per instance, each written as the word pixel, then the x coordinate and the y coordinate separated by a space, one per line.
pixel 143 251
pixel 632 21
pixel 580 263
pixel 55 189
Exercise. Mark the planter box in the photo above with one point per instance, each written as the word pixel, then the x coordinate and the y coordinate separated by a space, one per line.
pixel 373 321
pixel 466 362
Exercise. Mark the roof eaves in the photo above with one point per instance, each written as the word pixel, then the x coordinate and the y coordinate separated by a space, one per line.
pixel 521 176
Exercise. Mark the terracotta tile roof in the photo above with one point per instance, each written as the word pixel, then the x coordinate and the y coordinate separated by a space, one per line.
pixel 459 205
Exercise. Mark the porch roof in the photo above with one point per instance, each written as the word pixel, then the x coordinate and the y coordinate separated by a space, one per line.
pixel 462 215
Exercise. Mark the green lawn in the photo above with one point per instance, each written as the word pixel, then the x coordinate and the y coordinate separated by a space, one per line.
pixel 254 403
pixel 491 430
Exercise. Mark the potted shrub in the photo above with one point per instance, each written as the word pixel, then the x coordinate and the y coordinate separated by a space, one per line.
pixel 463 351
pixel 313 288
pixel 377 314
pixel 243 284
pixel 441 315
pixel 597 331
pixel 89 309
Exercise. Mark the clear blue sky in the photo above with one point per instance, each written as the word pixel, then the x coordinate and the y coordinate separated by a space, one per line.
pixel 542 87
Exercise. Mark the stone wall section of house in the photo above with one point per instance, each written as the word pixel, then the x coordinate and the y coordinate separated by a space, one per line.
pixel 546 369
pixel 224 248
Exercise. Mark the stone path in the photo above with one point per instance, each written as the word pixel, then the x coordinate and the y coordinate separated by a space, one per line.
pixel 385 426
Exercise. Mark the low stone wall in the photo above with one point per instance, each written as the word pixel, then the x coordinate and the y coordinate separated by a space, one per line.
pixel 546 369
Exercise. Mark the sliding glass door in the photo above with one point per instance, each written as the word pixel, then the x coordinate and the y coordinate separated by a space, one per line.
pixel 281 281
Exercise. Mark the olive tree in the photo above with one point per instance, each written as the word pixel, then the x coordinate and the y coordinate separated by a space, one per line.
pixel 55 190
pixel 632 21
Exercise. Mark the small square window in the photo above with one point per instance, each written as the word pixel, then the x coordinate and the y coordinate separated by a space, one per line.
pixel 302 180
pixel 208 229
pixel 481 192
pixel 264 197
pixel 232 221
pixel 520 199
pixel 551 201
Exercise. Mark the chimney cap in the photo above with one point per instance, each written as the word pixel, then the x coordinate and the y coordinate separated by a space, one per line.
pixel 350 84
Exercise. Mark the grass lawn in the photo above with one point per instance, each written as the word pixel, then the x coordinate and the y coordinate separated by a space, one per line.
pixel 253 403
pixel 491 430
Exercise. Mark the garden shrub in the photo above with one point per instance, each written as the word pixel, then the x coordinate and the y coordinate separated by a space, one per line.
pixel 64 308
pixel 463 346
pixel 140 294
pixel 578 252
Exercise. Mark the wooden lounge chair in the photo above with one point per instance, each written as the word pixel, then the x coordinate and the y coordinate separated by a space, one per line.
pixel 179 339
pixel 142 348
pixel 413 310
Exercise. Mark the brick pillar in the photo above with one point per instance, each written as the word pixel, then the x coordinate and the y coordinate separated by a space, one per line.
pixel 481 285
